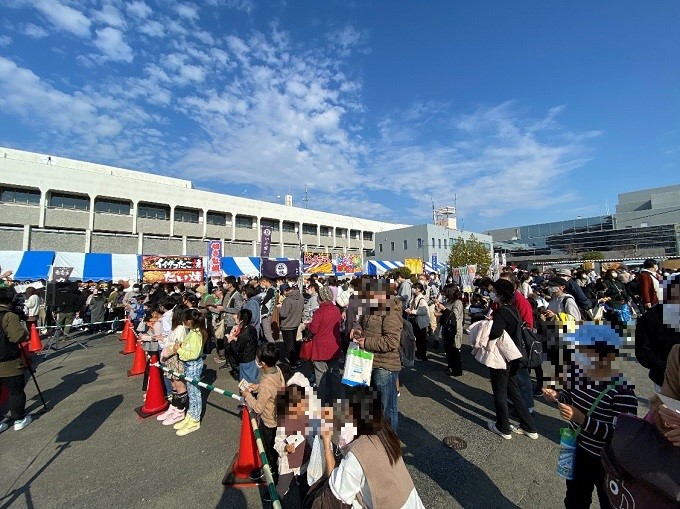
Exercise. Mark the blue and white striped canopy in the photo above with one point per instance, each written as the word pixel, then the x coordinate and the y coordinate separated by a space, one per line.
pixel 377 267
pixel 99 266
pixel 244 265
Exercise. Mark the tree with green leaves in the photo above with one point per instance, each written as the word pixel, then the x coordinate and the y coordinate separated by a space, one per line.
pixel 470 252
pixel 592 255
pixel 404 271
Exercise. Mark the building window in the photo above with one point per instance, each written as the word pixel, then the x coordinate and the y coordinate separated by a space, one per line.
pixel 186 215
pixel 20 196
pixel 368 236
pixel 392 246
pixel 216 218
pixel 112 206
pixel 244 222
pixel 420 243
pixel 150 211
pixel 432 241
pixel 439 243
pixel 445 244
pixel 341 233
pixel 326 231
pixel 405 245
pixel 288 227
pixel 69 201
pixel 355 234
pixel 273 224
pixel 309 229
pixel 380 248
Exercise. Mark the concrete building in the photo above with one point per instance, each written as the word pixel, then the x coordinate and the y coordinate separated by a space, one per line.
pixel 649 207
pixel 422 241
pixel 645 221
pixel 52 203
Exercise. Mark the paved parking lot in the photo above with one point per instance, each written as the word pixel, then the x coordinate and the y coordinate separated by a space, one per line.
pixel 91 449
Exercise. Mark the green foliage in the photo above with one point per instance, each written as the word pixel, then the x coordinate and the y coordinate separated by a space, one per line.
pixel 592 255
pixel 404 271
pixel 470 252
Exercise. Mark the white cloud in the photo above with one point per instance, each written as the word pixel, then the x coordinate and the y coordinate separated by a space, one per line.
pixel 111 43
pixel 5 40
pixel 26 95
pixel 111 16
pixel 139 9
pixel 187 11
pixel 152 28
pixel 35 31
pixel 246 6
pixel 495 160
pixel 64 17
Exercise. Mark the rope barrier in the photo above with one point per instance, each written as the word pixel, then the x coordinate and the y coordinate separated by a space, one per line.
pixel 194 381
pixel 84 324
pixel 276 503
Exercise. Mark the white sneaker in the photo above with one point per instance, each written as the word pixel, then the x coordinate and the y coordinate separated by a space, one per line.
pixel 492 427
pixel 20 424
pixel 3 425
pixel 520 431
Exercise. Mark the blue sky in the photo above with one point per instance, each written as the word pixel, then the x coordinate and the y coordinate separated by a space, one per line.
pixel 526 111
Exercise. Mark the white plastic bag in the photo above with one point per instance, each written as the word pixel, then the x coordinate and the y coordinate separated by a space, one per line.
pixel 317 462
pixel 358 367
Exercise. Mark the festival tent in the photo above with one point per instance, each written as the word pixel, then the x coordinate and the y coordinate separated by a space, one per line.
pixel 27 265
pixel 99 266
pixel 244 265
pixel 377 267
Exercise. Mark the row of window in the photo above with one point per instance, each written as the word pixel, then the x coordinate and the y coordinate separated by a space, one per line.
pixel 421 244
pixel 159 212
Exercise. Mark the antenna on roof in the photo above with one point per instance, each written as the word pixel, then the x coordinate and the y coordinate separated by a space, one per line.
pixel 306 198
pixel 606 207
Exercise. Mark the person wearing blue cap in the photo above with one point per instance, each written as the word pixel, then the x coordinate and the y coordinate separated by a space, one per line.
pixel 595 394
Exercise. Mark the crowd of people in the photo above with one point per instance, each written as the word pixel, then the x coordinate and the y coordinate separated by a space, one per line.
pixel 285 342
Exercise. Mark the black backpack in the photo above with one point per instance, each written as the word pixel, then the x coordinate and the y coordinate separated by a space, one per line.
pixel 8 350
pixel 450 326
pixel 533 347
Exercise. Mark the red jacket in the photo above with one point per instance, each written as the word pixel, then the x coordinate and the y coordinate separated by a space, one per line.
pixel 525 310
pixel 325 327
pixel 646 286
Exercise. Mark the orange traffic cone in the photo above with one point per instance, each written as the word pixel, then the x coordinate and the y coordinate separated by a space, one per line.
pixel 34 344
pixel 247 458
pixel 130 344
pixel 127 329
pixel 155 401
pixel 139 362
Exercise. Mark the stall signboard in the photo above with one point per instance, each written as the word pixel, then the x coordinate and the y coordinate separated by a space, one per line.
pixel 317 263
pixel 415 265
pixel 172 269
pixel 348 263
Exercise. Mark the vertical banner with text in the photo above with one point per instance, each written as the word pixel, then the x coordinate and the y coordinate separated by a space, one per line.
pixel 214 258
pixel 265 241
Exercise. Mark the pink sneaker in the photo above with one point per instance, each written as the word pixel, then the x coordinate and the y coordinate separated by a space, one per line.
pixel 166 414
pixel 176 416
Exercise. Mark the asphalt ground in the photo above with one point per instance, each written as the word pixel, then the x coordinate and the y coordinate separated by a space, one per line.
pixel 92 450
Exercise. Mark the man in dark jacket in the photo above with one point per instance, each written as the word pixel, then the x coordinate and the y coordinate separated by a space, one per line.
pixel 657 330
pixel 12 364
pixel 290 316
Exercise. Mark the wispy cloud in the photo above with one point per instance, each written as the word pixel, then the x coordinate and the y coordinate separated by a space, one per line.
pixel 111 43
pixel 262 109
pixel 64 17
